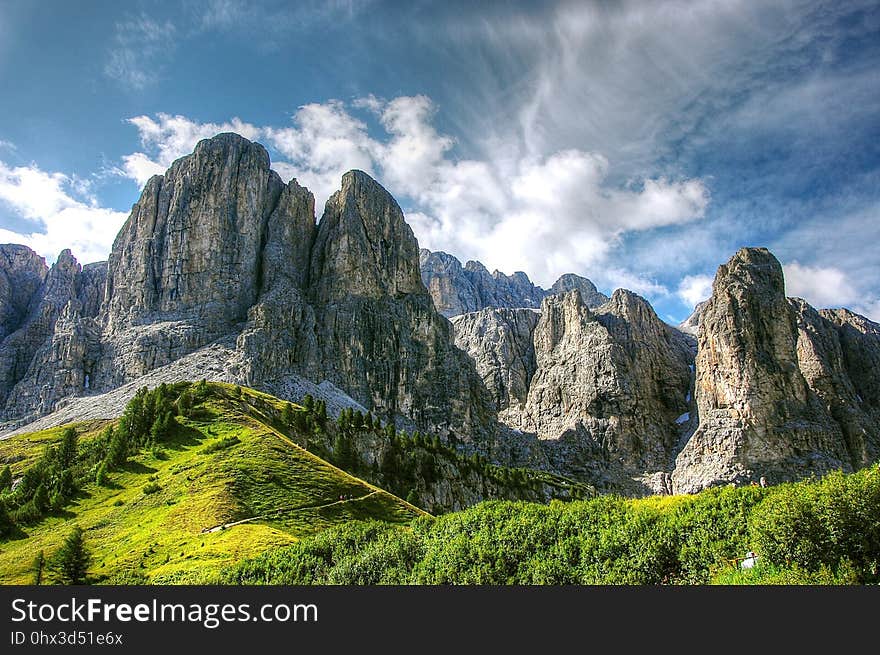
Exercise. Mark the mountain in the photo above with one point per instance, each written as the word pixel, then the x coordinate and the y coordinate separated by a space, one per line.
pixel 779 385
pixel 606 391
pixel 458 289
pixel 223 273
pixel 219 250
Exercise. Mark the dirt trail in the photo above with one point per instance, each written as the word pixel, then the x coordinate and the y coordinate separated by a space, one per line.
pixel 282 510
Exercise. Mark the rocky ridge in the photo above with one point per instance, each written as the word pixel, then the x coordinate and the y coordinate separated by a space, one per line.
pixel 458 289
pixel 219 249
pixel 222 272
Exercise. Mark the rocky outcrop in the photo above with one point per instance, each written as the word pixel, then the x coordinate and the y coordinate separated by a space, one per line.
pixel 458 289
pixel 839 356
pixel 500 342
pixel 188 263
pixel 691 325
pixel 590 296
pixel 22 272
pixel 759 417
pixel 18 351
pixel 378 335
pixel 612 388
pixel 604 394
pixel 219 249
pixel 192 245
pixel 221 269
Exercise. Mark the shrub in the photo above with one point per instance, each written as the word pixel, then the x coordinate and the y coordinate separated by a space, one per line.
pixel 151 488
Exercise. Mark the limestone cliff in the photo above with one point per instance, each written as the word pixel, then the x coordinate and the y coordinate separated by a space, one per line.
pixel 759 417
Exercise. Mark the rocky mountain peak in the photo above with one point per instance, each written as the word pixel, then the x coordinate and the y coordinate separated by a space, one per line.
pixel 363 245
pixel 192 244
pixel 591 296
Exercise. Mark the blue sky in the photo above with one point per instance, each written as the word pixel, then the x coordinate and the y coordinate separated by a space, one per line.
pixel 637 143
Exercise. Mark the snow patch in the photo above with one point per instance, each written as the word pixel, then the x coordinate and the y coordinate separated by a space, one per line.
pixel 684 418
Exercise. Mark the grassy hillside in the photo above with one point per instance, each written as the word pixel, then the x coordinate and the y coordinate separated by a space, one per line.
pixel 220 486
pixel 814 532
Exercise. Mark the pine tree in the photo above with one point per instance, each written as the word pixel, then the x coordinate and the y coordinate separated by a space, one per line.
pixel 71 562
pixel 101 474
pixel 412 497
pixel 38 566
pixel 287 414
pixel 342 453
pixel 309 402
pixel 184 403
pixel 321 411
pixel 6 522
pixel 41 498
pixel 117 453
pixel 68 449
pixel 5 479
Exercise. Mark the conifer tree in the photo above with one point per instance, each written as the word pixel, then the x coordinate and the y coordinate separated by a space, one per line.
pixel 71 562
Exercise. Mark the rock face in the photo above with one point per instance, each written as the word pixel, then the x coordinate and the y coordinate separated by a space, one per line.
pixel 590 296
pixel 187 264
pixel 31 356
pixel 500 342
pixel 606 392
pixel 758 414
pixel 220 249
pixel 221 271
pixel 22 272
pixel 691 325
pixel 458 289
pixel 612 387
pixel 193 243
pixel 378 335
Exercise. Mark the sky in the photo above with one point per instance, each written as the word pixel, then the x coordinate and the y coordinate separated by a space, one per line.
pixel 639 144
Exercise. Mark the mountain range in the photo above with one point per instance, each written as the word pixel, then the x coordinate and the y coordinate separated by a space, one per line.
pixel 222 272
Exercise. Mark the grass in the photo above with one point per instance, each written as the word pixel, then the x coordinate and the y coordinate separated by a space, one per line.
pixel 279 490
pixel 21 451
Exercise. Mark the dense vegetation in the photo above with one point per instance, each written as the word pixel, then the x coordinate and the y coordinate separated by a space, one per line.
pixel 214 483
pixel 819 531
pixel 408 463
pixel 64 468
pixel 205 482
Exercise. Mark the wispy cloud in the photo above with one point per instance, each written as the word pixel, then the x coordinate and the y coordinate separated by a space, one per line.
pixel 140 48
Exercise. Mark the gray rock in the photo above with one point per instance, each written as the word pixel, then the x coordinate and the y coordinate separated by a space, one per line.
pixel 758 415
pixel 611 388
pixel 458 289
pixel 691 324
pixel 22 272
pixel 19 349
pixel 589 294
pixel 500 343
pixel 378 335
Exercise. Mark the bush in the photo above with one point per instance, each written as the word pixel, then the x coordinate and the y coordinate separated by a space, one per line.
pixel 822 532
pixel 151 488
pixel 220 444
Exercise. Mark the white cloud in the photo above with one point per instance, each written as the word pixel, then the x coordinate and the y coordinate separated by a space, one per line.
pixel 140 45
pixel 171 137
pixel 819 286
pixel 694 289
pixel 543 215
pixel 324 142
pixel 62 220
